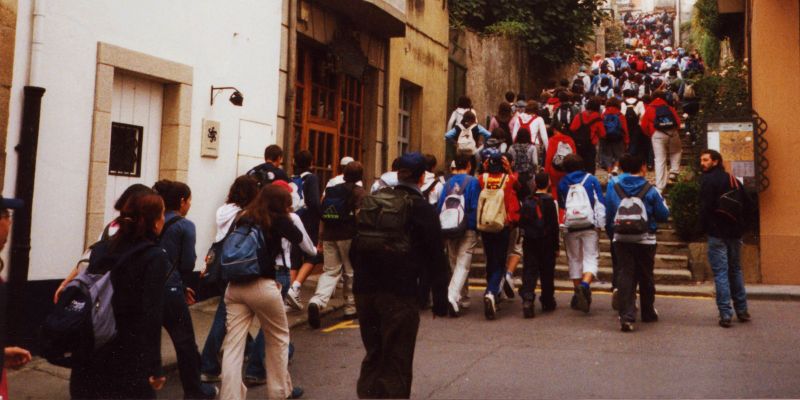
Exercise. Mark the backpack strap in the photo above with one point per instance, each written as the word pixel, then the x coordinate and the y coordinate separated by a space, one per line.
pixel 585 178
pixel 169 224
pixel 503 182
pixel 621 193
pixel 645 189
pixel 733 181
pixel 485 178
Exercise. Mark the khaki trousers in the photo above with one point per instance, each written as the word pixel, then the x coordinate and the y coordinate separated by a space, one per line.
pixel 260 299
pixel 337 262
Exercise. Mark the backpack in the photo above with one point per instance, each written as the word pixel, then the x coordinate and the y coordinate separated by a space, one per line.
pixel 212 279
pixel 298 202
pixel 562 151
pixel 563 118
pixel 531 219
pixel 603 93
pixel 492 206
pixel 382 223
pixel 730 204
pixel 583 136
pixel 579 212
pixel 631 223
pixel 613 127
pixel 83 320
pixel 632 118
pixel 526 125
pixel 453 216
pixel 336 206
pixel 262 174
pixel 240 250
pixel 465 143
pixel 522 163
pixel 577 85
pixel 665 120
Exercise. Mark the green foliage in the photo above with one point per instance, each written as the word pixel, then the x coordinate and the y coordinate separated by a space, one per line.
pixel 723 94
pixel 684 206
pixel 706 32
pixel 614 36
pixel 555 31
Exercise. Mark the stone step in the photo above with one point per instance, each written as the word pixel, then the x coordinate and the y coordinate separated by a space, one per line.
pixel 665 248
pixel 668 254
pixel 661 275
pixel 662 261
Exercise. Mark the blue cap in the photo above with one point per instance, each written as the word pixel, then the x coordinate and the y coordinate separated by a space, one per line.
pixel 6 203
pixel 414 162
pixel 491 153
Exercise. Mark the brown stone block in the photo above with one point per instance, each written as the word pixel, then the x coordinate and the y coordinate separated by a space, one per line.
pixel 101 136
pixel 144 64
pixel 178 104
pixel 94 227
pixel 8 13
pixel 174 147
pixel 6 54
pixel 103 88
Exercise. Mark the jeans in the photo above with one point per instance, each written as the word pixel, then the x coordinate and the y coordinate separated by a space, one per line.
pixel 388 325
pixel 495 246
pixel 635 264
pixel 211 363
pixel 178 323
pixel 724 255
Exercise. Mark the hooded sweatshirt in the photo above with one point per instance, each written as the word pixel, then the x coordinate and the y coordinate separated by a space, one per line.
pixel 598 131
pixel 624 122
pixel 649 117
pixel 654 204
pixel 592 185
pixel 225 216
pixel 552 148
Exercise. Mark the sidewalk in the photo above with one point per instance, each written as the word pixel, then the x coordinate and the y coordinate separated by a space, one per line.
pixel 42 380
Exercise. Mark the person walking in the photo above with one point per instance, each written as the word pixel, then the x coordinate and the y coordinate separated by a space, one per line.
pixel 458 214
pixel 337 231
pixel 259 297
pixel 724 212
pixel 463 106
pixel 130 365
pixel 617 138
pixel 634 208
pixel 178 240
pixel 389 255
pixel 270 170
pixel 586 131
pixel 662 124
pixel 558 148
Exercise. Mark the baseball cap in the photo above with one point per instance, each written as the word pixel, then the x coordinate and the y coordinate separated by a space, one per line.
pixel 282 184
pixel 414 162
pixel 346 160
pixel 6 202
pixel 582 68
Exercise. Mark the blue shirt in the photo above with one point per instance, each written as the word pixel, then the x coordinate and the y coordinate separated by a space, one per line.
pixel 452 134
pixel 657 210
pixel 592 185
pixel 472 190
pixel 179 241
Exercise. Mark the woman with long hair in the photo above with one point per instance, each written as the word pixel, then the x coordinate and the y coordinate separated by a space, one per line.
pixel 261 298
pixel 130 365
pixel 502 120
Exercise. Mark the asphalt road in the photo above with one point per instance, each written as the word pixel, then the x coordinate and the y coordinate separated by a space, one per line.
pixel 567 354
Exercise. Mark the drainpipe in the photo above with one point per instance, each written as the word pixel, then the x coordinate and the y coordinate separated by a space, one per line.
pixel 19 258
pixel 291 74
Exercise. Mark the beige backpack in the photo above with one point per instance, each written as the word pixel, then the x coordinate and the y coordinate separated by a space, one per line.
pixel 492 206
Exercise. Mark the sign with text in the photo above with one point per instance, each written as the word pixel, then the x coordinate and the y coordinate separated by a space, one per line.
pixel 210 141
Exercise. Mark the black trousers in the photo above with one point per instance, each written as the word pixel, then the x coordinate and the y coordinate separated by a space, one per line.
pixel 635 262
pixel 538 263
pixel 589 155
pixel 389 325
pixel 178 323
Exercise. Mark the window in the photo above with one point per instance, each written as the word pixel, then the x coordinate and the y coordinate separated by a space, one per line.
pixel 125 157
pixel 404 121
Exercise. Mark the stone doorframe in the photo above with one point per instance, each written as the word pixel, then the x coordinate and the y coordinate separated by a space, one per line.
pixel 175 122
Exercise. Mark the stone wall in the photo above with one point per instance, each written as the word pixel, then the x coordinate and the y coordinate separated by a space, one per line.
pixel 8 27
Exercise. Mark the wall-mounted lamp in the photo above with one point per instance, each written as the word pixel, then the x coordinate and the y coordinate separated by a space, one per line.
pixel 236 98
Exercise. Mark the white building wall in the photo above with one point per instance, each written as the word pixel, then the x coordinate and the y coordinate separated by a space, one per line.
pixel 228 43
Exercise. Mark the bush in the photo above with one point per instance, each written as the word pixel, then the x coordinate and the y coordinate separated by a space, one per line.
pixel 684 202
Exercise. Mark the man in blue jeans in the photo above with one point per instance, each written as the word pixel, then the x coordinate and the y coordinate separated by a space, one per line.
pixel 724 206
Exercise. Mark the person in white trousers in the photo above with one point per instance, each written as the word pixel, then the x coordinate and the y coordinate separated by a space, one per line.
pixel 667 146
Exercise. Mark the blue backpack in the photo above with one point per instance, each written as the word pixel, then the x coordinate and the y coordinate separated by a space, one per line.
pixel 613 127
pixel 239 260
pixel 298 200
pixel 336 206
pixel 665 120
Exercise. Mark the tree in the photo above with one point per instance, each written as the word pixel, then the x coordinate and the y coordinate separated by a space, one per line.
pixel 553 30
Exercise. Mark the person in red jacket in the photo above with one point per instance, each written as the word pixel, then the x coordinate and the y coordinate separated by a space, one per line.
pixel 552 165
pixel 498 176
pixel 662 123
pixel 587 130
pixel 613 146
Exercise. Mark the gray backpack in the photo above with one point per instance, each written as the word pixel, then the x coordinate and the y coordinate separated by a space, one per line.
pixel 631 223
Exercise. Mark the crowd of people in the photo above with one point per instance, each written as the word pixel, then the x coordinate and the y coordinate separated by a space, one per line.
pixel 405 243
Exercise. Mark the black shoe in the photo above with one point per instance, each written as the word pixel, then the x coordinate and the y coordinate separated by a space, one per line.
pixel 584 298
pixel 451 310
pixel 349 317
pixel 626 327
pixel 527 309
pixel 313 315
pixel 743 316
pixel 615 299
pixel 255 381
pixel 508 289
pixel 297 392
pixel 573 304
pixel 549 306
pixel 725 322
pixel 650 317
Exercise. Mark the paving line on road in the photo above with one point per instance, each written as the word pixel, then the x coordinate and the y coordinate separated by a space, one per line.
pixel 341 325
pixel 668 296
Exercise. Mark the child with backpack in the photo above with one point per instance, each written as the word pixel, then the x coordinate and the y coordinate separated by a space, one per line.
pixel 634 207
pixel 498 212
pixel 581 196
pixel 532 122
pixel 633 109
pixel 662 124
pixel 539 227
pixel 613 145
pixel 467 135
pixel 336 233
pixel 558 148
pixel 586 130
pixel 458 207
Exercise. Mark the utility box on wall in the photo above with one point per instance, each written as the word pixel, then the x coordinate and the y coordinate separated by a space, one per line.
pixel 210 139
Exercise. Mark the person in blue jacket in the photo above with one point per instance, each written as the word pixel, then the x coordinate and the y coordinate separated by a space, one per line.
pixel 460 246
pixel 635 252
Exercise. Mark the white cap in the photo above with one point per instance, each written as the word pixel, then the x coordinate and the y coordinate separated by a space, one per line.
pixel 346 160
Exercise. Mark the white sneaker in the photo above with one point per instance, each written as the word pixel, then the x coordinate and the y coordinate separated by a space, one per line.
pixel 293 299
pixel 489 307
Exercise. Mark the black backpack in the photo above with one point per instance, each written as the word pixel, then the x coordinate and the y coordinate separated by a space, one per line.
pixel 664 120
pixel 383 223
pixel 337 206
pixel 262 174
pixel 583 135
pixel 562 118
pixel 632 119
pixel 730 204
pixel 531 219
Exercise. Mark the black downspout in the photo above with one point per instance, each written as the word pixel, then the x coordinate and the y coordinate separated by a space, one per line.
pixel 19 259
